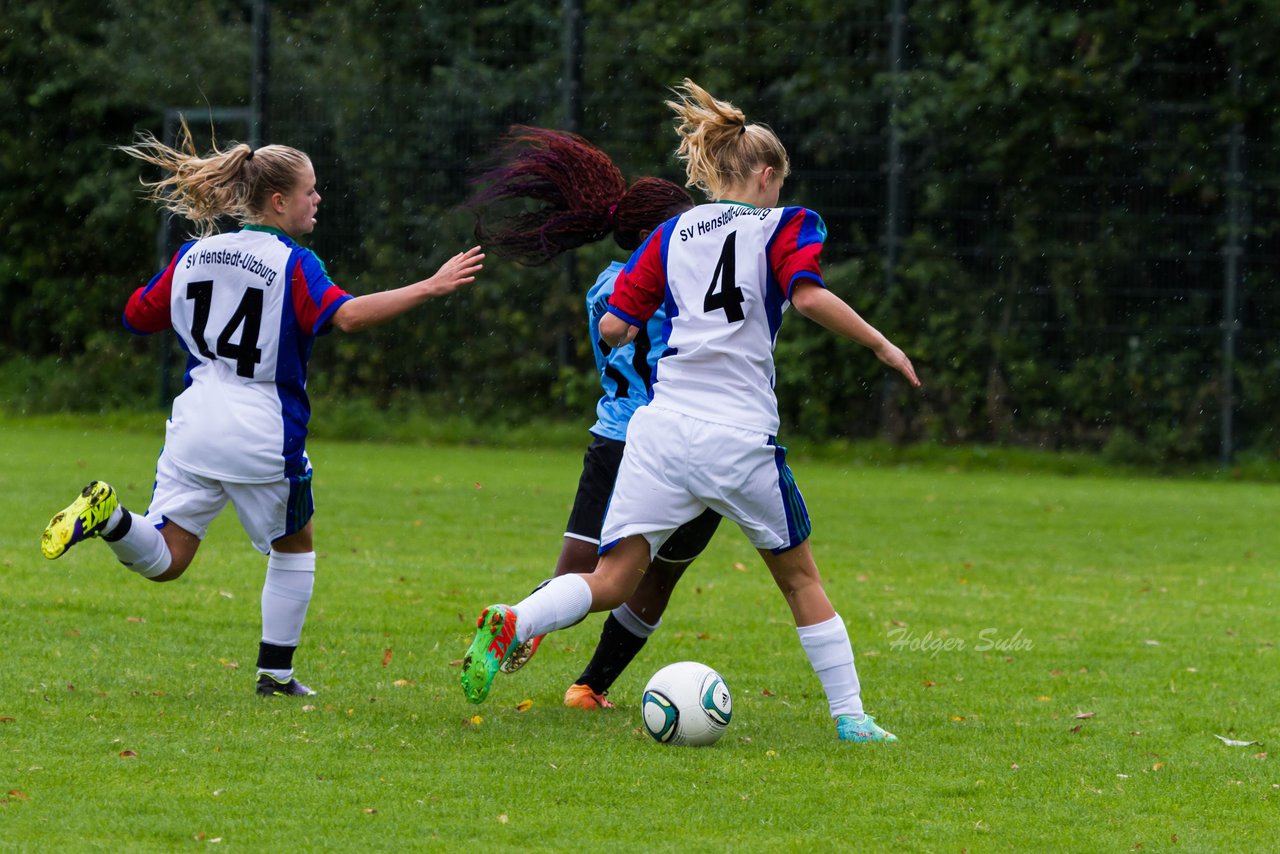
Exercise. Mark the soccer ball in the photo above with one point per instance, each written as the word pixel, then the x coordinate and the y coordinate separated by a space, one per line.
pixel 686 703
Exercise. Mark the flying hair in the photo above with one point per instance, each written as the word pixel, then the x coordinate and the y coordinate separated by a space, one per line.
pixel 719 148
pixel 237 182
pixel 547 192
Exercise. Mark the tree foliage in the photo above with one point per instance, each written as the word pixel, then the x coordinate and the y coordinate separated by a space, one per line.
pixel 1065 185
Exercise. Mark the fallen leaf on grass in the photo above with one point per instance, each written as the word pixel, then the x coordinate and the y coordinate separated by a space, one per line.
pixel 502 819
pixel 524 705
pixel 402 683
pixel 1077 728
pixel 369 811
pixel 457 662
pixel 1157 766
pixel 386 657
pixel 19 794
pixel 929 683
pixel 1231 742
pixel 1084 716
pixel 134 620
pixel 740 566
pixel 128 754
pixel 1043 699
pixel 5 719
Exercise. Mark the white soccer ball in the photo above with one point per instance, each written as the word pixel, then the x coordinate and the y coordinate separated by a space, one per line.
pixel 686 703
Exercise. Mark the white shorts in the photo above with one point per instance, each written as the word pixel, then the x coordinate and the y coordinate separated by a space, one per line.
pixel 675 466
pixel 267 511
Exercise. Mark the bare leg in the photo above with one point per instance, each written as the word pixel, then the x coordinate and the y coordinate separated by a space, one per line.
pixel 796 575
pixel 182 550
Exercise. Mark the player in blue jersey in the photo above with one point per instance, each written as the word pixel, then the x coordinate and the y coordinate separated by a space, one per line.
pixel 247 306
pixel 584 198
pixel 725 273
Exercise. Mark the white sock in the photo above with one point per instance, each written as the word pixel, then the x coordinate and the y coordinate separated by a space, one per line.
pixel 285 595
pixel 632 622
pixel 140 546
pixel 561 602
pixel 831 654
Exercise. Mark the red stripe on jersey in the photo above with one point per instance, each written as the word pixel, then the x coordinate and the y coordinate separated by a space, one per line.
pixel 642 284
pixel 147 310
pixel 305 307
pixel 793 253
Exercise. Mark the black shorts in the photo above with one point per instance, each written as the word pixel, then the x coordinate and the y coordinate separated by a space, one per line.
pixel 599 471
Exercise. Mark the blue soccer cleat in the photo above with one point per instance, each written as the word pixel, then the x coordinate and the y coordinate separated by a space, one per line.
pixel 849 728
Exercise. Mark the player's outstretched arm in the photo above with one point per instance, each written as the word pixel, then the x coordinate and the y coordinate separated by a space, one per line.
pixel 828 310
pixel 370 310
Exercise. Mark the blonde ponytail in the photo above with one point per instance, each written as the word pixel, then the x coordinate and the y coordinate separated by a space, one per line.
pixel 718 147
pixel 237 182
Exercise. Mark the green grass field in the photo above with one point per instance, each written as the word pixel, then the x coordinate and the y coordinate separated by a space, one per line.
pixel 1056 654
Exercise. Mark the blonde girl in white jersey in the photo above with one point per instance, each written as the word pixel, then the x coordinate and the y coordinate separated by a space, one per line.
pixel 247 306
pixel 726 271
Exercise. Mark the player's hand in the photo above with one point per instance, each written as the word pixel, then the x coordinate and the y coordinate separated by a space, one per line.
pixel 456 272
pixel 892 356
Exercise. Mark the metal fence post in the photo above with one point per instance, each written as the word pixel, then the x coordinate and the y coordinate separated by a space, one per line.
pixel 1232 251
pixel 260 100
pixel 893 191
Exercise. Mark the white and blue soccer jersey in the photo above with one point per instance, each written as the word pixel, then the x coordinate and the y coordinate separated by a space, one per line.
pixel 626 372
pixel 723 273
pixel 246 306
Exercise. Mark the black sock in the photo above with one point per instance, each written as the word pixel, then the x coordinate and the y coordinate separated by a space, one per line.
pixel 272 657
pixel 122 527
pixel 616 649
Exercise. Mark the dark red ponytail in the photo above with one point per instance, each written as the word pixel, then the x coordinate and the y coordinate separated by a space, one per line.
pixel 578 193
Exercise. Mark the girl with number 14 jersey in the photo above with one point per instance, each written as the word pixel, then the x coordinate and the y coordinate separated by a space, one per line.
pixel 246 306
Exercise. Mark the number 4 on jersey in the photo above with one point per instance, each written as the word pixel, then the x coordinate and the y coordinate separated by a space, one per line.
pixel 723 294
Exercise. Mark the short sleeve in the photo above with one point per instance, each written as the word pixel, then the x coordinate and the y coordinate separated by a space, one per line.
pixel 147 310
pixel 642 284
pixel 795 248
pixel 315 296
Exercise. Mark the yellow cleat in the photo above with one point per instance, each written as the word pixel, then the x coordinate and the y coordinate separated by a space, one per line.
pixel 84 518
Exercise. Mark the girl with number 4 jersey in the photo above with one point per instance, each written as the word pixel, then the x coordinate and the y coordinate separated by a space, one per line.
pixel 724 272
pixel 247 306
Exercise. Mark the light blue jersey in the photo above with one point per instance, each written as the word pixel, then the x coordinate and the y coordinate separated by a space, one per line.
pixel 626 373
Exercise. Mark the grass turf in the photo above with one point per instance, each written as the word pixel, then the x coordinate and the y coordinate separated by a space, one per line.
pixel 1056 654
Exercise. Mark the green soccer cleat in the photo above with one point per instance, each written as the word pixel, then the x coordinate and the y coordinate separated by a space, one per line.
pixel 83 518
pixel 850 729
pixel 493 644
